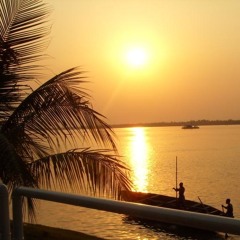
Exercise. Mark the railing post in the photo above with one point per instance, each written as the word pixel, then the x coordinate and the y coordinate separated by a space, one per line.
pixel 4 214
pixel 17 216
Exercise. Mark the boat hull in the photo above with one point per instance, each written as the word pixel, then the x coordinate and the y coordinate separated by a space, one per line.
pixel 169 202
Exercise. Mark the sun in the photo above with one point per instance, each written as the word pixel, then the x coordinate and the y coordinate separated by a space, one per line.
pixel 136 57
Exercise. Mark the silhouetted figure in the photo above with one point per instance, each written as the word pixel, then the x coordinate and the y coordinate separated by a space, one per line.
pixel 181 197
pixel 229 212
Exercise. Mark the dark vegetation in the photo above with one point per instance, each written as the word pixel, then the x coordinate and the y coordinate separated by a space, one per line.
pixel 169 124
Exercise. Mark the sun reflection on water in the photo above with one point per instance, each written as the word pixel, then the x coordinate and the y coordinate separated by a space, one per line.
pixel 139 159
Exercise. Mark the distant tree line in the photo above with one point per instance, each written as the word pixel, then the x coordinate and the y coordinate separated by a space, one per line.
pixel 202 122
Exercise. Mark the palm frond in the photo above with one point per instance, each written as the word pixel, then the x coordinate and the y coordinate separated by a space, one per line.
pixel 35 125
pixel 23 30
pixel 91 171
pixel 60 113
pixel 23 37
pixel 14 171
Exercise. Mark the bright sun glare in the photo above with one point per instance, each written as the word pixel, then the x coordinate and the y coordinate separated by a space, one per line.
pixel 136 57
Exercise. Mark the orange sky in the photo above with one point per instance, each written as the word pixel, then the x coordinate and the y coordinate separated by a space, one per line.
pixel 192 56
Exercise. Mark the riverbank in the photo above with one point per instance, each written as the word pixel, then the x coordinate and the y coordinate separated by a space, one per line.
pixel 175 124
pixel 39 232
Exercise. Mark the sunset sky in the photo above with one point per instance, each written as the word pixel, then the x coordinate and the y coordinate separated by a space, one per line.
pixel 152 60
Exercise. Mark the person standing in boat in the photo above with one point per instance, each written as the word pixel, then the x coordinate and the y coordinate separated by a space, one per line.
pixel 229 212
pixel 229 208
pixel 181 196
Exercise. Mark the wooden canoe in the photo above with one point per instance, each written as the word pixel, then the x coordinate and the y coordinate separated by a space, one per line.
pixel 169 202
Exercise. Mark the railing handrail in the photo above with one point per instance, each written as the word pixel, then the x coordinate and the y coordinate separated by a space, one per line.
pixel 171 216
pixel 184 218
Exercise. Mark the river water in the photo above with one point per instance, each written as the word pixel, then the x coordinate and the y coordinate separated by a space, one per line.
pixel 207 163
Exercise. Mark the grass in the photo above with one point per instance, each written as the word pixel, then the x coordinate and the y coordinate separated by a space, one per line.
pixel 40 232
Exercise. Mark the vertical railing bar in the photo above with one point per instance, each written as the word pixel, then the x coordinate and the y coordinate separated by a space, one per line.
pixel 4 214
pixel 17 216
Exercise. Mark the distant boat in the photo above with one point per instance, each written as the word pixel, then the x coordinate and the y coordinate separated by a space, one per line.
pixel 190 127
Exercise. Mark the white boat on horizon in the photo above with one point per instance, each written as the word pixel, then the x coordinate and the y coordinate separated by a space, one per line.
pixel 190 127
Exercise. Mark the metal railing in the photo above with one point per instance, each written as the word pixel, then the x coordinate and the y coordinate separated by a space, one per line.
pixel 4 214
pixel 178 217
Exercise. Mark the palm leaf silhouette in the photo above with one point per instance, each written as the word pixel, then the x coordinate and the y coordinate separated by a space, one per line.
pixel 41 129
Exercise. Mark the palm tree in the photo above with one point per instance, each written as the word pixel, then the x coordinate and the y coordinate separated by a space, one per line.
pixel 41 129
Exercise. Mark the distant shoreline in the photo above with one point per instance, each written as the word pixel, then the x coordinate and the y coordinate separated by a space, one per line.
pixel 170 124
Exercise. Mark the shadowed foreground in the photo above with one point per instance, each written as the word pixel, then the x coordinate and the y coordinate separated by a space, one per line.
pixel 39 232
